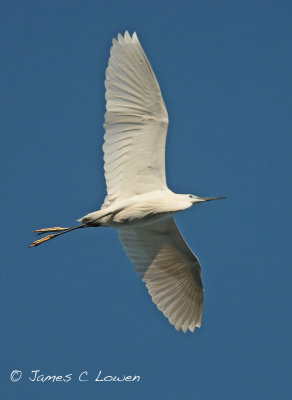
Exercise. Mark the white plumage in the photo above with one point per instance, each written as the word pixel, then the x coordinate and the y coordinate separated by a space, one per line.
pixel 170 270
pixel 135 123
pixel 138 202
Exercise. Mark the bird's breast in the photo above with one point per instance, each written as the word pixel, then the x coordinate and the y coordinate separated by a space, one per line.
pixel 135 216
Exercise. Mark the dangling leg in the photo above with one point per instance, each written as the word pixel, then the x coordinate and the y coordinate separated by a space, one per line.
pixel 46 230
pixel 59 230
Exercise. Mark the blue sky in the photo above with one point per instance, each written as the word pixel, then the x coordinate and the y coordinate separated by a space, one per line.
pixel 76 304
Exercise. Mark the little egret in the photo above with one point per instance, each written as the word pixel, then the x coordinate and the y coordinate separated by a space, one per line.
pixel 138 202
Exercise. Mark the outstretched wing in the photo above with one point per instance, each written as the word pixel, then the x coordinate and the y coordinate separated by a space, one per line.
pixel 171 271
pixel 135 123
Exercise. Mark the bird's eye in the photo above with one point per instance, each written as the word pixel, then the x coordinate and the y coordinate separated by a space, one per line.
pixel 190 196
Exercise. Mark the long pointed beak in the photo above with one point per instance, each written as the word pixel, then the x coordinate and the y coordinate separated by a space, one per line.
pixel 211 198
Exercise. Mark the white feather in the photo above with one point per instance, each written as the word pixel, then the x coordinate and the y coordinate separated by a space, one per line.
pixel 172 273
pixel 135 123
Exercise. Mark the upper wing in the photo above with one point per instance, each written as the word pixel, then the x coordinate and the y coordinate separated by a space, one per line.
pixel 135 123
pixel 171 271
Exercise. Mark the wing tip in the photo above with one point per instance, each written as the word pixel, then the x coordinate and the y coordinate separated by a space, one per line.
pixel 186 327
pixel 126 37
pixel 178 323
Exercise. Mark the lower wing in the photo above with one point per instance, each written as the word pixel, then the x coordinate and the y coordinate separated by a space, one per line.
pixel 171 271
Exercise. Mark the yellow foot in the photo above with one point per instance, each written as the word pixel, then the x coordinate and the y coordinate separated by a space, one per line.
pixel 54 229
pixel 40 241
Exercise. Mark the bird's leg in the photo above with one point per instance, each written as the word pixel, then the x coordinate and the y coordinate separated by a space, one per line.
pixel 59 230
pixel 46 230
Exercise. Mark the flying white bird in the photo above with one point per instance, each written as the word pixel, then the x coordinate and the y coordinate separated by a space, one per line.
pixel 138 202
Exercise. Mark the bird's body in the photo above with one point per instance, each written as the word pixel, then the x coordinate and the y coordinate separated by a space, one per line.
pixel 139 210
pixel 138 202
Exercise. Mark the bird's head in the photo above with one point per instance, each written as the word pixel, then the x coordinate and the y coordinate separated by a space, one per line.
pixel 195 199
